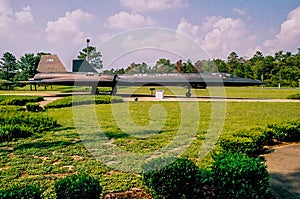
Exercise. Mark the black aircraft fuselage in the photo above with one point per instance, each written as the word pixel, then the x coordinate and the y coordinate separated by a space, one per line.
pixel 52 72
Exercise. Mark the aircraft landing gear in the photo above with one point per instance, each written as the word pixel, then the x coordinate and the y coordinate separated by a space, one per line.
pixel 114 90
pixel 94 90
pixel 188 92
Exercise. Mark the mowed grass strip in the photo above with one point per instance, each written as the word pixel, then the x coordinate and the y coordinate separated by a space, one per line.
pixel 51 155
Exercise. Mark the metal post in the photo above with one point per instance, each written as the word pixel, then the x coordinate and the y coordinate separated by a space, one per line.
pixel 87 48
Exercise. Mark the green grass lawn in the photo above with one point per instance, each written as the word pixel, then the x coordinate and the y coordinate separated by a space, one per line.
pixel 236 92
pixel 51 155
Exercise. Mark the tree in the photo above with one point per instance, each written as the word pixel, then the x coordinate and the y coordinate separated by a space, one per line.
pixel 92 56
pixel 8 66
pixel 164 66
pixel 221 65
pixel 27 66
pixel 232 62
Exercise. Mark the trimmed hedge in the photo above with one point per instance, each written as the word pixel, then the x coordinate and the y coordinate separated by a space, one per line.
pixel 19 100
pixel 294 96
pixel 239 176
pixel 8 132
pixel 11 109
pixel 249 141
pixel 36 121
pixel 33 107
pixel 21 192
pixel 83 100
pixel 77 187
pixel 288 131
pixel 176 180
pixel 232 175
pixel 252 141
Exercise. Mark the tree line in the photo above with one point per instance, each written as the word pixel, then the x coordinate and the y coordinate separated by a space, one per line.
pixel 282 68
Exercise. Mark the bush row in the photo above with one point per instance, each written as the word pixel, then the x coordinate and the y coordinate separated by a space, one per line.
pixel 252 141
pixel 21 192
pixel 19 100
pixel 294 96
pixel 71 187
pixel 23 124
pixel 230 176
pixel 33 107
pixel 83 100
pixel 11 109
pixel 8 132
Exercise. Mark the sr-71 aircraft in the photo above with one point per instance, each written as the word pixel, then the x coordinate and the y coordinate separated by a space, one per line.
pixel 52 72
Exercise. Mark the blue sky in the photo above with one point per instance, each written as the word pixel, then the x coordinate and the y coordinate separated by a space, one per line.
pixel 217 26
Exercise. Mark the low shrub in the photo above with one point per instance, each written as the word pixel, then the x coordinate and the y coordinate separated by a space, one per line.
pixel 21 192
pixel 239 176
pixel 8 132
pixel 249 141
pixel 288 131
pixel 294 96
pixel 19 100
pixel 33 107
pixel 37 121
pixel 176 180
pixel 83 100
pixel 23 124
pixel 11 109
pixel 235 144
pixel 77 187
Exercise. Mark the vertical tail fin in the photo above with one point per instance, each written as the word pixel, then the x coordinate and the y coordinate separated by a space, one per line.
pixel 51 64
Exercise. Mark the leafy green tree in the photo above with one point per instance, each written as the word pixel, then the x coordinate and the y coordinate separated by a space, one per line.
pixel 92 56
pixel 27 66
pixel 188 67
pixel 8 66
pixel 164 65
pixel 221 65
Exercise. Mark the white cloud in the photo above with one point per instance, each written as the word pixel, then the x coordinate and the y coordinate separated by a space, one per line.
pixel 149 44
pixel 5 8
pixel 24 16
pixel 124 20
pixel 153 5
pixel 288 37
pixel 68 28
pixel 188 29
pixel 219 36
pixel 240 11
pixel 18 29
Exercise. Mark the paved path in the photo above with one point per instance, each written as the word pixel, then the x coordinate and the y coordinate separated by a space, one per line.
pixel 205 99
pixel 284 168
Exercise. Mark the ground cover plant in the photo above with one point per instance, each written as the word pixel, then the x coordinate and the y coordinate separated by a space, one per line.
pixel 52 155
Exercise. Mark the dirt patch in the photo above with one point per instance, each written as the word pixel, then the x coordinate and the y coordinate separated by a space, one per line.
pixel 284 168
pixel 47 100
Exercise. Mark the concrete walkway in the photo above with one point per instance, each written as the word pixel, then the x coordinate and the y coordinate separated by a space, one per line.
pixel 284 168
